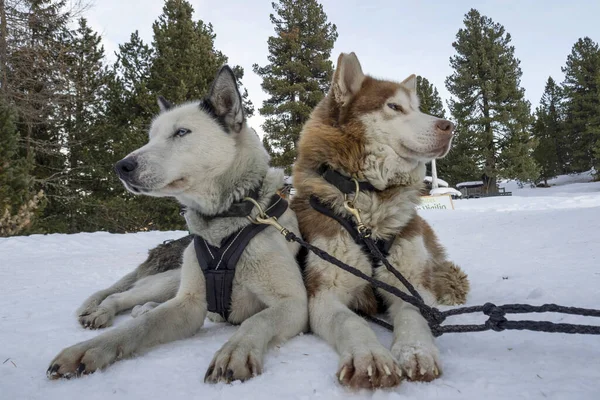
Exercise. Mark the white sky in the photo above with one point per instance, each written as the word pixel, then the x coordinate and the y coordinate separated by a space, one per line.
pixel 392 39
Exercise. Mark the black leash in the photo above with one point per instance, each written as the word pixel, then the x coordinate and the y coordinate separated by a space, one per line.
pixel 496 314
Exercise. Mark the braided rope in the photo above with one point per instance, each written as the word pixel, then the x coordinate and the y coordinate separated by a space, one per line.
pixel 496 314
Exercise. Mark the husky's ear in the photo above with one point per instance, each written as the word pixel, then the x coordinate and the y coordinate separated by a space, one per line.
pixel 226 100
pixel 410 83
pixel 348 78
pixel 164 104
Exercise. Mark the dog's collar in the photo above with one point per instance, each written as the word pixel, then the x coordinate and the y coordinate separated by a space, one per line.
pixel 240 209
pixel 345 184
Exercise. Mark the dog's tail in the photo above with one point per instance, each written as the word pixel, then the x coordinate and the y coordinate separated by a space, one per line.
pixel 450 284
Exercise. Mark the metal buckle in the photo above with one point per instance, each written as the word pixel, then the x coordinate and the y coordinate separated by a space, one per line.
pixel 349 205
pixel 263 218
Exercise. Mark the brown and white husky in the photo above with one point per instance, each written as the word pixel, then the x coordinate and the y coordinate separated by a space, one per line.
pixel 372 130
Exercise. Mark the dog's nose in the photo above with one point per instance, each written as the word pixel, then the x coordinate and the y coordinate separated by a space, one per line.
pixel 445 126
pixel 126 166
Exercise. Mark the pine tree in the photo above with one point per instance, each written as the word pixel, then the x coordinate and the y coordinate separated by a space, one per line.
pixel 37 64
pixel 582 105
pixel 185 56
pixel 80 108
pixel 297 76
pixel 128 109
pixel 547 130
pixel 431 102
pixel 186 59
pixel 493 118
pixel 15 181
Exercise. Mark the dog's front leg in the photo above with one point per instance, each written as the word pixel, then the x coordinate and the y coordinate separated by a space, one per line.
pixel 277 283
pixel 175 319
pixel 364 362
pixel 414 346
pixel 241 358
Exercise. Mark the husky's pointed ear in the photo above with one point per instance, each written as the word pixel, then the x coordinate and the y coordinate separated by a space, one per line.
pixel 348 78
pixel 226 100
pixel 410 83
pixel 164 104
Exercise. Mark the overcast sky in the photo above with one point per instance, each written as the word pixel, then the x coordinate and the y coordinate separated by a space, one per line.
pixel 392 39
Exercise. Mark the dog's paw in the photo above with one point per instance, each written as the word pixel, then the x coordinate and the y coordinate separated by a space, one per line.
pixel 143 309
pixel 101 317
pixel 419 362
pixel 214 317
pixel 90 305
pixel 234 361
pixel 369 369
pixel 82 359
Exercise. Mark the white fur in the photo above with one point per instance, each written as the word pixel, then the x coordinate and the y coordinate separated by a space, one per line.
pixel 207 170
pixel 398 141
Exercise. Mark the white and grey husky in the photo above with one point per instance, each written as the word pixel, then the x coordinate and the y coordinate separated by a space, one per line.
pixel 203 154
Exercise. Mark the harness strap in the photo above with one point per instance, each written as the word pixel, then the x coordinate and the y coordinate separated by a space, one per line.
pixel 218 263
pixel 384 246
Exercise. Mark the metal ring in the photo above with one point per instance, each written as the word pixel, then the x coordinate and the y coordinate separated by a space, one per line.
pixel 356 190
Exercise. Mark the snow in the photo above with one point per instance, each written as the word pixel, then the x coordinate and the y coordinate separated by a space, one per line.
pixel 538 246
pixel 467 184
pixel 441 182
pixel 442 191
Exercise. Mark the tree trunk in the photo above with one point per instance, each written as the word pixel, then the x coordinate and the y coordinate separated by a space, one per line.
pixel 3 47
pixel 490 157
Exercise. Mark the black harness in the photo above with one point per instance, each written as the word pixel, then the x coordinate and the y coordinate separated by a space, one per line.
pixel 218 263
pixel 348 186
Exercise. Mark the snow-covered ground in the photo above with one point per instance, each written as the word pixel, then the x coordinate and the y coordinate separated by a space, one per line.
pixel 539 246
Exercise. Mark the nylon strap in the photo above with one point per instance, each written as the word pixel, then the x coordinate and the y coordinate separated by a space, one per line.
pixel 218 263
pixel 384 246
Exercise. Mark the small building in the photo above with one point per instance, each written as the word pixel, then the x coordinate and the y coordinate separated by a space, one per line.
pixel 471 189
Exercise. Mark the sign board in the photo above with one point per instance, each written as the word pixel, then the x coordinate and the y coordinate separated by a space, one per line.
pixel 443 202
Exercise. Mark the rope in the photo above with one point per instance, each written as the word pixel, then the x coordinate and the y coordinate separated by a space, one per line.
pixel 496 314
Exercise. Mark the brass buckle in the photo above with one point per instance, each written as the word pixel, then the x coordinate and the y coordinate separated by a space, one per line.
pixel 263 218
pixel 349 205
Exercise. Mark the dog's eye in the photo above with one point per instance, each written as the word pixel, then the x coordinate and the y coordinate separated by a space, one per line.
pixel 181 132
pixel 396 107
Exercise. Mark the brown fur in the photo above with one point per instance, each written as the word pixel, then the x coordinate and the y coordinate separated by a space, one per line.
pixel 313 221
pixel 413 229
pixel 335 135
pixel 313 281
pixel 431 242
pixel 365 301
